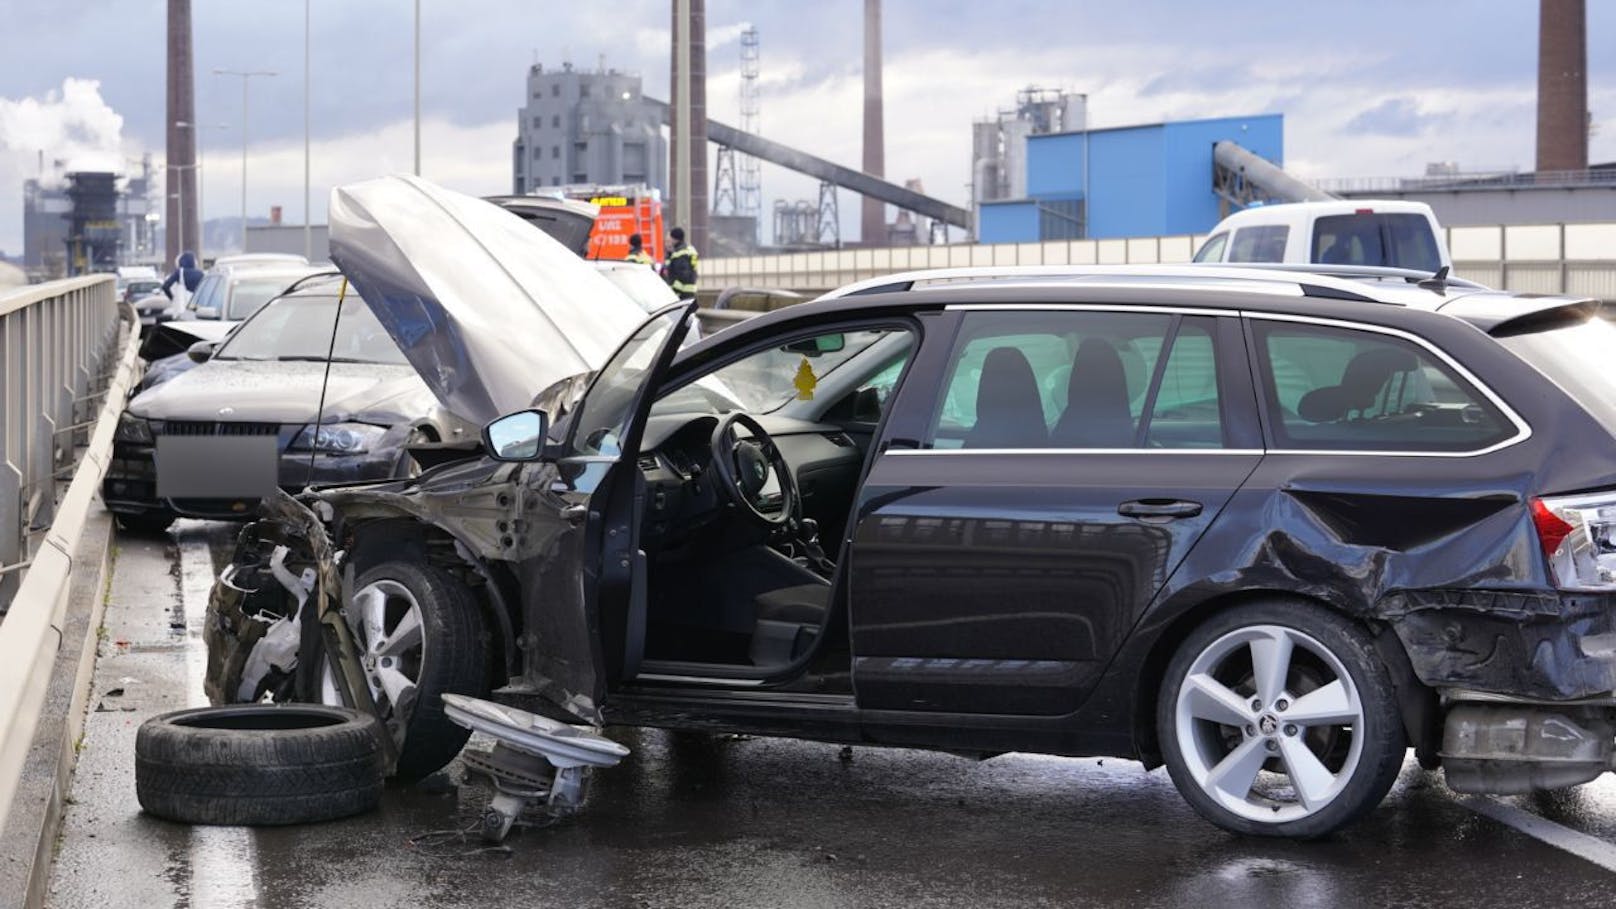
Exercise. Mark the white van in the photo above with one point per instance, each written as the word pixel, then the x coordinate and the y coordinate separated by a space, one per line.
pixel 1336 232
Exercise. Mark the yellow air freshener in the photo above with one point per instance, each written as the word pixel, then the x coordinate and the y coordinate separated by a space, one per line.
pixel 805 381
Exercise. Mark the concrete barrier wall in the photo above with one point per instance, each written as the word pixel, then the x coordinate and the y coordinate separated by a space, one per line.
pixel 1539 258
pixel 30 631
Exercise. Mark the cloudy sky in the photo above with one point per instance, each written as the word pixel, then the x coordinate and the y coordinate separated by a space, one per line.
pixel 1368 88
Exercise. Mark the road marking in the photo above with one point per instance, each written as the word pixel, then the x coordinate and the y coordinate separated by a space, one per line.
pixel 219 855
pixel 1583 846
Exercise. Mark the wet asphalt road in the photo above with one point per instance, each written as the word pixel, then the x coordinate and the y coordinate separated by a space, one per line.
pixel 696 821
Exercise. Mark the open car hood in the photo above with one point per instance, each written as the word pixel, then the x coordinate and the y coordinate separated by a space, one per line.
pixel 488 310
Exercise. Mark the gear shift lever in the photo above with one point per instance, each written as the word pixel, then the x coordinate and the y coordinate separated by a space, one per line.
pixel 808 535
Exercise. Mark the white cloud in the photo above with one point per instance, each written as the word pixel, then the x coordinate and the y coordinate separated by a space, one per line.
pixel 72 128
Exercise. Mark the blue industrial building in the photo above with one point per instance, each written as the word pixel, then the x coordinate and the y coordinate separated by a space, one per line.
pixel 1142 181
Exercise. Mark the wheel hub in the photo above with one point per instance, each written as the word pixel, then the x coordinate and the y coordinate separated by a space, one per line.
pixel 1268 725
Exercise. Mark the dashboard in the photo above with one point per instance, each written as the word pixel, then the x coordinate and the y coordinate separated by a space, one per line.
pixel 682 489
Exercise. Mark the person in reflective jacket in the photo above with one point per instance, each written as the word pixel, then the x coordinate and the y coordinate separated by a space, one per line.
pixel 680 269
pixel 637 253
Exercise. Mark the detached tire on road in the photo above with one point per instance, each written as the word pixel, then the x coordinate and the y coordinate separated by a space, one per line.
pixel 259 764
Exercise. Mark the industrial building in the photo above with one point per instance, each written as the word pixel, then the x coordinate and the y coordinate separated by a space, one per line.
pixel 587 127
pixel 87 222
pixel 1134 181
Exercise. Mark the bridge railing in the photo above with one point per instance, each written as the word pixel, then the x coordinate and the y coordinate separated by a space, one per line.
pixel 1537 258
pixel 66 365
pixel 54 342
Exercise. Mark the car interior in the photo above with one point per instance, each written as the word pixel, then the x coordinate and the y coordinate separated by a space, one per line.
pixel 750 474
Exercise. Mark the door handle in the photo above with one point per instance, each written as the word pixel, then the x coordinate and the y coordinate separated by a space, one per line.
pixel 1159 508
pixel 574 514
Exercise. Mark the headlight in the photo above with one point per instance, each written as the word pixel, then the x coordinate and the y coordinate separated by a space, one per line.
pixel 133 429
pixel 339 438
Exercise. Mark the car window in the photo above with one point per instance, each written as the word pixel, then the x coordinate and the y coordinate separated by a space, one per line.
pixel 1212 250
pixel 207 293
pixel 247 294
pixel 1080 380
pixel 1367 238
pixel 299 328
pixel 1260 243
pixel 1343 389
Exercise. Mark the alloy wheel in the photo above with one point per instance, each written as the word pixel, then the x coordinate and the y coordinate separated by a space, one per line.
pixel 1269 723
pixel 389 632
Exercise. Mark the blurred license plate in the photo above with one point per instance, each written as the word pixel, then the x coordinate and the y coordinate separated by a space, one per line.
pixel 216 467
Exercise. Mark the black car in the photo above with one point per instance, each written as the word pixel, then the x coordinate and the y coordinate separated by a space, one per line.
pixel 208 442
pixel 1267 529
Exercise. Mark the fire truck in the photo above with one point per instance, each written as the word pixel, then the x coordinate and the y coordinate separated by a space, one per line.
pixel 624 210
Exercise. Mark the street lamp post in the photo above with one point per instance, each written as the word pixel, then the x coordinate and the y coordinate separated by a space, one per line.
pixel 246 77
pixel 308 236
pixel 201 195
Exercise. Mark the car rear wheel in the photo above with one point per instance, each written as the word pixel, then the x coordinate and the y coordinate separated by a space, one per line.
pixel 419 633
pixel 1277 718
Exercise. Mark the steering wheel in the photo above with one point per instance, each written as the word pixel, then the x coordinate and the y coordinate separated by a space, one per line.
pixel 743 467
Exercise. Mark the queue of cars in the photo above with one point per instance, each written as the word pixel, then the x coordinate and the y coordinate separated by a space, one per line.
pixel 1270 528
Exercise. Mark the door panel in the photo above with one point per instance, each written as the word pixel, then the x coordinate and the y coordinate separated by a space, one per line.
pixel 1003 583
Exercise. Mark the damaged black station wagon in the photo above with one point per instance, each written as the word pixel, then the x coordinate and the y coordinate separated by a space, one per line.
pixel 1268 528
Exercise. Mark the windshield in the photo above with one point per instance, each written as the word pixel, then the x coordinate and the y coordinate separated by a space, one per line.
pixel 299 328
pixel 769 379
pixel 1576 357
pixel 603 414
pixel 247 294
pixel 1366 238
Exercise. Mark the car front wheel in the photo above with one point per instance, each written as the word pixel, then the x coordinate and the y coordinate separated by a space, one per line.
pixel 419 633
pixel 1277 718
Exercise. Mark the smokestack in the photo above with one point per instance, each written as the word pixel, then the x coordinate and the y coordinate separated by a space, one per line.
pixel 688 151
pixel 873 224
pixel 1562 85
pixel 179 218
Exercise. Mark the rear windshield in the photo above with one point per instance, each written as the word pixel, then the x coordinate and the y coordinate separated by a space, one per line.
pixel 1576 357
pixel 247 294
pixel 1366 238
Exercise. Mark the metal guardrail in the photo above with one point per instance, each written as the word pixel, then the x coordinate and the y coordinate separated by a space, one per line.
pixel 57 341
pixel 1574 258
pixel 1495 179
pixel 54 341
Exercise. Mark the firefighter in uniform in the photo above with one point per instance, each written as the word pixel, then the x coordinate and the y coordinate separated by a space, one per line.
pixel 680 268
pixel 637 253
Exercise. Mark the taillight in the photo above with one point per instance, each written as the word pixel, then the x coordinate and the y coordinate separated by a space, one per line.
pixel 1578 536
pixel 1551 528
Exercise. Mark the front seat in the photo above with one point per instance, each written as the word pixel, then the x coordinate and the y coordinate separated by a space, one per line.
pixel 1009 412
pixel 788 621
pixel 1097 414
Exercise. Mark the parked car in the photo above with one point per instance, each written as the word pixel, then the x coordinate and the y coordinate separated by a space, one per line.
pixel 1268 529
pixel 264 410
pixel 233 291
pixel 1368 232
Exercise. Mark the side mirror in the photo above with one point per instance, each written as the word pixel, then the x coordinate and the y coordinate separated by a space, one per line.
pixel 200 352
pixel 517 436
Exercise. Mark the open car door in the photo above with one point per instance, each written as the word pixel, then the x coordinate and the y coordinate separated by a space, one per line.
pixel 584 597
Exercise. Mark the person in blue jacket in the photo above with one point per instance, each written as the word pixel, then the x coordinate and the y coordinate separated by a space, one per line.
pixel 184 270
